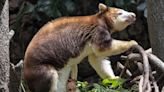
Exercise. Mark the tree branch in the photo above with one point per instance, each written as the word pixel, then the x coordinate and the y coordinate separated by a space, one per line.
pixel 154 60
pixel 124 69
pixel 146 67
pixel 146 84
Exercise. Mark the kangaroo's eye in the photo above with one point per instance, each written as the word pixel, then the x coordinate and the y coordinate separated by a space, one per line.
pixel 120 13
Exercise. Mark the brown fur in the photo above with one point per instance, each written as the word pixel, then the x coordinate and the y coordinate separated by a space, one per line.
pixel 60 40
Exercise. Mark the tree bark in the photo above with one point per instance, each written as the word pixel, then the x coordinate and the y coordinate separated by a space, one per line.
pixel 156 26
pixel 156 32
pixel 4 48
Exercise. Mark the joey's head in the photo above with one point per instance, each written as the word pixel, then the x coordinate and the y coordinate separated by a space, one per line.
pixel 116 19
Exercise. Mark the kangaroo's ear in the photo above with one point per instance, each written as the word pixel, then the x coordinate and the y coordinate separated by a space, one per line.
pixel 102 7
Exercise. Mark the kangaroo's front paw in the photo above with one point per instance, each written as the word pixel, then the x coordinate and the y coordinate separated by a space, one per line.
pixel 133 42
pixel 116 77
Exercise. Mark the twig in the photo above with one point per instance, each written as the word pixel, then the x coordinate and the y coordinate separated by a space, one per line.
pixel 124 69
pixel 156 89
pixel 141 84
pixel 137 78
pixel 140 66
pixel 154 60
pixel 146 67
pixel 148 87
pixel 154 83
pixel 23 88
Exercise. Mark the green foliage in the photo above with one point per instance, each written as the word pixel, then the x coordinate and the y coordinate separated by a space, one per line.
pixel 41 12
pixel 82 84
pixel 46 10
pixel 106 85
pixel 55 8
pixel 114 82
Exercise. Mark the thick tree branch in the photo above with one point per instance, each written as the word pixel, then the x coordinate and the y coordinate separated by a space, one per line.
pixel 146 67
pixel 154 60
pixel 147 82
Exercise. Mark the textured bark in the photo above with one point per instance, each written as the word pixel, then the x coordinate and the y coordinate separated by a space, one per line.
pixel 156 32
pixel 4 48
pixel 156 26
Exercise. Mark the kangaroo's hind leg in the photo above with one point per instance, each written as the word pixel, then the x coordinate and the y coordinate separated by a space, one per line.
pixel 41 78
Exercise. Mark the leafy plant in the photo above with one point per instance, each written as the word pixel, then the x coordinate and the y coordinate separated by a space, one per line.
pixel 106 85
pixel 114 82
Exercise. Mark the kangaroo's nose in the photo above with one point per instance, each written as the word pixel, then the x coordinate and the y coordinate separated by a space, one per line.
pixel 133 15
pixel 131 18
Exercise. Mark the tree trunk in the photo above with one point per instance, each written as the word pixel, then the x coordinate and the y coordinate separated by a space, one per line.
pixel 156 26
pixel 156 32
pixel 4 47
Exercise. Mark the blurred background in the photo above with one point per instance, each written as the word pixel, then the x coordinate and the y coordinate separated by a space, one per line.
pixel 28 16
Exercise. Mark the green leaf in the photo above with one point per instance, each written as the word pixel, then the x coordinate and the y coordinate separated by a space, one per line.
pixel 82 84
pixel 106 82
pixel 113 82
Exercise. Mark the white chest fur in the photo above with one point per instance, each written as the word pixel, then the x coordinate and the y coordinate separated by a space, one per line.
pixel 86 51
